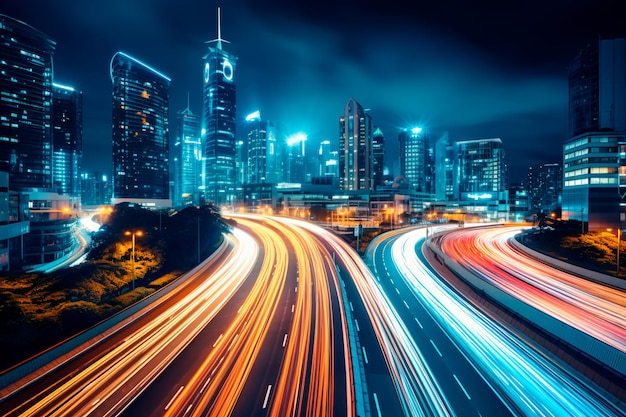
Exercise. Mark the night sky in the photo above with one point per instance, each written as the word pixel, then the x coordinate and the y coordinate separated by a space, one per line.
pixel 479 69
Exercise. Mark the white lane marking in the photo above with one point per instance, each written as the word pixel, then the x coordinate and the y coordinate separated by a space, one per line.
pixel 174 397
pixel 267 396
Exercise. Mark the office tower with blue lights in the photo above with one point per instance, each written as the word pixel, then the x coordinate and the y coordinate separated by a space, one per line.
pixel 67 139
pixel 378 157
pixel 482 177
pixel 25 104
pixel 95 189
pixel 417 159
pixel 355 148
pixel 446 187
pixel 140 133
pixel 296 166
pixel 594 155
pixel 262 155
pixel 188 159
pixel 218 123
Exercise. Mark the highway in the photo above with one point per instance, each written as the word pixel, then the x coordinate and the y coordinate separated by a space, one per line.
pixel 262 330
pixel 520 378
pixel 595 309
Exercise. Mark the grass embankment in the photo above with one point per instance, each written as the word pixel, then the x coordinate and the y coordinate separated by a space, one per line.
pixel 39 310
pixel 596 251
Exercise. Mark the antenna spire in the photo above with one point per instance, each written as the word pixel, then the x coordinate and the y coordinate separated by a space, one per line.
pixel 219 39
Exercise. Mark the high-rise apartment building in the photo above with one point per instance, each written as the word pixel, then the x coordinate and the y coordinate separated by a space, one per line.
pixel 544 186
pixel 355 148
pixel 140 132
pixel 594 155
pixel 218 124
pixel 67 139
pixel 188 159
pixel 25 104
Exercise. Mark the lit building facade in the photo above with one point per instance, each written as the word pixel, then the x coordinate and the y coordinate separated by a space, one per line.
pixel 140 133
pixel 25 104
pixel 95 189
pixel 446 187
pixel 188 159
pixel 482 177
pixel 262 154
pixel 545 185
pixel 218 123
pixel 67 139
pixel 355 148
pixel 594 180
pixel 378 157
pixel 417 159
pixel 594 156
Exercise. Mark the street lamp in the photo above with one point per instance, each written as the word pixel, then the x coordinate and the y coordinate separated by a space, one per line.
pixel 133 234
pixel 619 239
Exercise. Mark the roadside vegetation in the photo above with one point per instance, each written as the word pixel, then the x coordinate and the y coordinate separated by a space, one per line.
pixel 595 250
pixel 38 310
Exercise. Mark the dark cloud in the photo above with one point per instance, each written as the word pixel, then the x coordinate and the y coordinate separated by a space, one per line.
pixel 475 69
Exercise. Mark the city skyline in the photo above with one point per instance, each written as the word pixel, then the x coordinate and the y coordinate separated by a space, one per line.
pixel 299 64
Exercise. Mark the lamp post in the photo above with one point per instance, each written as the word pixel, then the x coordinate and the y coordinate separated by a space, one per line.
pixel 133 234
pixel 619 239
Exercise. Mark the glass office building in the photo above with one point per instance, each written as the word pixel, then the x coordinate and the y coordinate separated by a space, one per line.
pixel 188 159
pixel 25 104
pixel 140 132
pixel 355 148
pixel 67 139
pixel 594 156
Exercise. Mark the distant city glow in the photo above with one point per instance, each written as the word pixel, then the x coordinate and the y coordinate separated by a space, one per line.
pixel 296 138
pixel 253 116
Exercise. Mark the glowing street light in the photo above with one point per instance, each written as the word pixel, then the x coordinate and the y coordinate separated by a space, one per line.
pixel 133 234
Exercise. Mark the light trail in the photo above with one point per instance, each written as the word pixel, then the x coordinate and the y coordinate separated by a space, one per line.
pixel 590 307
pixel 125 370
pixel 531 383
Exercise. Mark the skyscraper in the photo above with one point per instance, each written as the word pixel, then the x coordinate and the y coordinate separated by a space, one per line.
pixel 219 110
pixel 594 155
pixel 67 139
pixel 597 87
pixel 262 156
pixel 482 176
pixel 188 155
pixel 25 104
pixel 355 148
pixel 416 162
pixel 140 132
pixel 378 157
pixel 446 187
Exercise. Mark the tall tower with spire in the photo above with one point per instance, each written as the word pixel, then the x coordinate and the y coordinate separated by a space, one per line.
pixel 219 110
